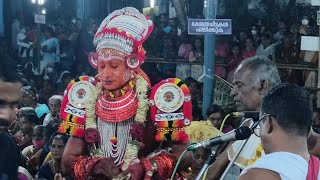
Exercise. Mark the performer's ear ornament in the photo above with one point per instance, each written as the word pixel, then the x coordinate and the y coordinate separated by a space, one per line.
pixel 133 61
pixel 93 59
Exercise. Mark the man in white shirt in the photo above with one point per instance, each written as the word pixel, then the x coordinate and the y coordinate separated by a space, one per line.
pixel 25 46
pixel 286 118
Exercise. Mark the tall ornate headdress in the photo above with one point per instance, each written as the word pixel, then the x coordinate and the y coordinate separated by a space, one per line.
pixel 122 32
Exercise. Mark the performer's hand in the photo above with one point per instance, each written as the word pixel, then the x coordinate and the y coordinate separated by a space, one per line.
pixel 134 171
pixel 106 167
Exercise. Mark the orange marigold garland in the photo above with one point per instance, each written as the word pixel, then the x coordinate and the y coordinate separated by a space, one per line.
pixel 171 109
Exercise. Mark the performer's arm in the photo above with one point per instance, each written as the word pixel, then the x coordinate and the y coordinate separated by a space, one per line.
pixel 75 147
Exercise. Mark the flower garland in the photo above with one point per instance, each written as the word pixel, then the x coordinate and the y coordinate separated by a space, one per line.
pixel 90 107
pixel 131 154
pixel 142 87
pixel 132 149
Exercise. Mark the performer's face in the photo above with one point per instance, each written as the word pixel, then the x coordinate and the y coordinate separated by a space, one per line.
pixel 9 98
pixel 113 72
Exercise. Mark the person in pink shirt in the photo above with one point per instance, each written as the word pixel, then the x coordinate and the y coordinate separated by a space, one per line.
pixel 185 48
pixel 249 49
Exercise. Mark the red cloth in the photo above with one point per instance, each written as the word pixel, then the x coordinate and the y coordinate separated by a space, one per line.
pixel 313 168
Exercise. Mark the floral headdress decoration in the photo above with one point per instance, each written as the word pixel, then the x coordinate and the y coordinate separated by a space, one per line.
pixel 122 32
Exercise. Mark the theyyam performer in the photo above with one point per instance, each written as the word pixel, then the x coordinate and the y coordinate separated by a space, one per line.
pixel 107 114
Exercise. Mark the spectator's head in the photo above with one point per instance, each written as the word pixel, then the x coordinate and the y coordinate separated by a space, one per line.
pixel 27 118
pixel 9 90
pixel 198 43
pixel 236 49
pixel 29 97
pixel 47 86
pixel 29 66
pixel 65 77
pixel 55 104
pixel 57 145
pixel 173 22
pixel 163 18
pixel 38 81
pixel 243 34
pixel 288 38
pixel 25 29
pixel 249 43
pixel 37 137
pixel 168 42
pixel 294 28
pixel 282 25
pixel 266 39
pixel 192 84
pixel 49 32
pixel 253 78
pixel 48 131
pixel 214 114
pixel 287 115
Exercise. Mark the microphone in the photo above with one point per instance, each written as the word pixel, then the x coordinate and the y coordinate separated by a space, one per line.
pixel 239 134
pixel 247 114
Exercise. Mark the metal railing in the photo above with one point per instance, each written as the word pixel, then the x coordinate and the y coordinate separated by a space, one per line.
pixel 219 62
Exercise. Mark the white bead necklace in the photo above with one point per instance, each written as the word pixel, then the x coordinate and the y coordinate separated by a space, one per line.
pixel 120 130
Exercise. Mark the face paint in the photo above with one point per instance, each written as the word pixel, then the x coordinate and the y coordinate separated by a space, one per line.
pixel 127 75
pixel 112 72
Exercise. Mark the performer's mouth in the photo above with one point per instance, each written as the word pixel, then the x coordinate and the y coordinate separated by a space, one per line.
pixel 108 82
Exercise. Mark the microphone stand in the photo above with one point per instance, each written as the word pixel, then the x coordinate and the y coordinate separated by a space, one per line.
pixel 208 162
pixel 234 159
pixel 252 126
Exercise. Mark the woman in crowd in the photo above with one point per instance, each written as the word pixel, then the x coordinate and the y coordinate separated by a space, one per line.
pixel 53 167
pixel 63 81
pixel 249 50
pixel 29 98
pixel 196 55
pixel 30 151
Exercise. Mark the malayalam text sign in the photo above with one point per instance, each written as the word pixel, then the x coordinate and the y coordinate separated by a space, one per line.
pixel 40 19
pixel 209 26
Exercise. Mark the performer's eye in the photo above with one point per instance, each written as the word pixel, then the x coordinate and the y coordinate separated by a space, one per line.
pixel 114 65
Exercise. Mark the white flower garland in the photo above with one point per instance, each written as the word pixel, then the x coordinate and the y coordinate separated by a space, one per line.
pixel 142 88
pixel 131 153
pixel 90 107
